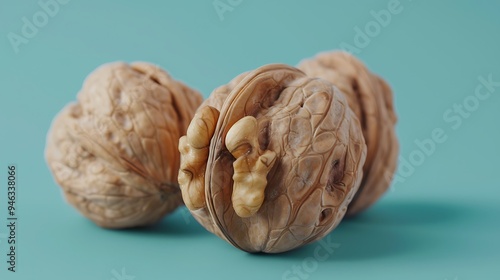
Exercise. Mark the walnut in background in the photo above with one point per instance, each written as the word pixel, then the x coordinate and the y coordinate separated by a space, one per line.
pixel 370 97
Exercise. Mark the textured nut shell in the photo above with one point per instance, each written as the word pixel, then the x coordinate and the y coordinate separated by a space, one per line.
pixel 114 151
pixel 371 99
pixel 319 151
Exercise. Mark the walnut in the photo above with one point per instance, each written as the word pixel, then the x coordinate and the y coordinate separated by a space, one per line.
pixel 271 161
pixel 370 97
pixel 114 151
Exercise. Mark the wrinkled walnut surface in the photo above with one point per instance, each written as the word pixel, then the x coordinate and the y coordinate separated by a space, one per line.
pixel 114 151
pixel 370 97
pixel 271 161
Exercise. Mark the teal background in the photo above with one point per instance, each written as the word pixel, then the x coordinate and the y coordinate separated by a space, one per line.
pixel 442 222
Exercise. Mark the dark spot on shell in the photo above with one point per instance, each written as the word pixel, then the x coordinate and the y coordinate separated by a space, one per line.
pixel 325 214
pixel 264 136
pixel 335 175
pixel 155 80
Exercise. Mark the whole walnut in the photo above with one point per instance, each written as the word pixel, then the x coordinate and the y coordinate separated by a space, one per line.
pixel 370 98
pixel 271 161
pixel 114 151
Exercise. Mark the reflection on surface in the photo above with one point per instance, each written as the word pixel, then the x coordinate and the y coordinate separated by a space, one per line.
pixel 178 223
pixel 391 228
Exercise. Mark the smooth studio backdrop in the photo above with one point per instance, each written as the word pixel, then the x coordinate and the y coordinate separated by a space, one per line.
pixel 439 221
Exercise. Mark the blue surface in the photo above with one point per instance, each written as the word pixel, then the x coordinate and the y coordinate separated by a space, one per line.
pixel 439 221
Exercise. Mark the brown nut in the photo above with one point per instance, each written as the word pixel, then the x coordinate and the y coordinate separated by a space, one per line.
pixel 114 151
pixel 271 160
pixel 371 99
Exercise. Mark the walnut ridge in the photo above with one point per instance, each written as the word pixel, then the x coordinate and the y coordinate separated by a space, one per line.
pixel 114 151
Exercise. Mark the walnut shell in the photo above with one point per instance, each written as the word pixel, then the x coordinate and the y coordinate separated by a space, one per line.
pixel 271 160
pixel 114 151
pixel 370 97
